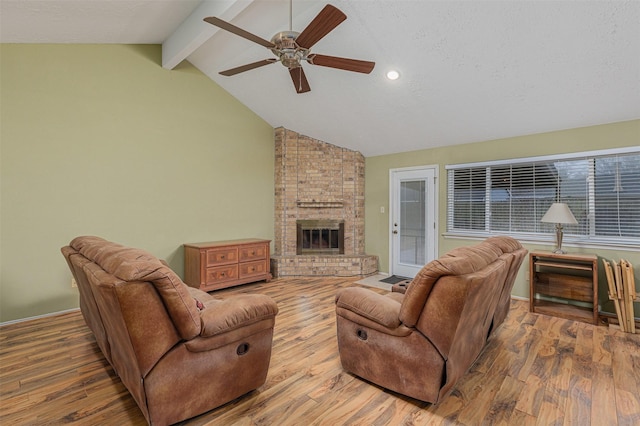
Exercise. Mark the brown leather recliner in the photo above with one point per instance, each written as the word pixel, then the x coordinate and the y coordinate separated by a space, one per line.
pixel 179 351
pixel 422 342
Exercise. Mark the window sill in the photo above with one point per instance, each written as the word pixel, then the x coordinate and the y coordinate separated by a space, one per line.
pixel 568 241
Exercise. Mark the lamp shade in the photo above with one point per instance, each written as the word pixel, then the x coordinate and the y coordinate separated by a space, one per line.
pixel 559 213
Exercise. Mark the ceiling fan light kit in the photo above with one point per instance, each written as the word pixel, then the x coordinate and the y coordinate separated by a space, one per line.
pixel 291 48
pixel 286 49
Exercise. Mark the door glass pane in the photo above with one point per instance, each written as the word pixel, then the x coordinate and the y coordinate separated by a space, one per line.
pixel 412 222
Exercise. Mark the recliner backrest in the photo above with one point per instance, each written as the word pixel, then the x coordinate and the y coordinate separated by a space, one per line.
pixel 458 316
pixel 459 261
pixel 88 306
pixel 512 249
pixel 144 308
pixel 130 264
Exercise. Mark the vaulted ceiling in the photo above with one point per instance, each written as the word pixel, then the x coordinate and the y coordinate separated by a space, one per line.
pixel 469 70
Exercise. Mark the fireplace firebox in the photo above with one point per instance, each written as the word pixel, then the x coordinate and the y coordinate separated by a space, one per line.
pixel 320 237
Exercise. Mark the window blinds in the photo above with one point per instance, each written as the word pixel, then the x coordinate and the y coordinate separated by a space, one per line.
pixel 602 190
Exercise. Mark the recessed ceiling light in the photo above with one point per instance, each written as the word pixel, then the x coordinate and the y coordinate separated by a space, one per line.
pixel 393 75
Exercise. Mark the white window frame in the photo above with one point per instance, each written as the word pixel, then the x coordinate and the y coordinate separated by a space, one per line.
pixel 627 243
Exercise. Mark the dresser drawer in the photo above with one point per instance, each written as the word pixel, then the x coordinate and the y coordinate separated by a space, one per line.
pixel 248 269
pixel 255 252
pixel 221 274
pixel 221 256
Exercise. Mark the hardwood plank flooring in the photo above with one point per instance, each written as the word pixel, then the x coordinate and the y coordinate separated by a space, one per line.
pixel 536 370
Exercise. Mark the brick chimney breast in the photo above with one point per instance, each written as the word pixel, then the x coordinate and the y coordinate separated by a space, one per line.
pixel 315 180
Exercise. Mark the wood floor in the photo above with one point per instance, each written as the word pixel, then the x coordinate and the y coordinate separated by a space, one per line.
pixel 536 370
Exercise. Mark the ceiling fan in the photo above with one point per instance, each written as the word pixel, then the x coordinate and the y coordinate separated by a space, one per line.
pixel 291 47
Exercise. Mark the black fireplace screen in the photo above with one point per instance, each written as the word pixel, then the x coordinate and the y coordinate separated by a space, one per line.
pixel 320 237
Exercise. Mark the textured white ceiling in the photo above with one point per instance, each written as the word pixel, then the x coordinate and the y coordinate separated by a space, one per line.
pixel 91 21
pixel 470 70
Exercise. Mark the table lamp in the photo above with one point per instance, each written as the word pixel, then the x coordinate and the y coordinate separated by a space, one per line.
pixel 559 213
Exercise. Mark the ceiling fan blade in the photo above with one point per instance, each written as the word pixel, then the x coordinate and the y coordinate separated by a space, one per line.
pixel 238 31
pixel 299 80
pixel 243 68
pixel 328 18
pixel 346 64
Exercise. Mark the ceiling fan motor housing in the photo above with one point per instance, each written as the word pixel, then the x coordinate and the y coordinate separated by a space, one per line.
pixel 289 53
pixel 292 47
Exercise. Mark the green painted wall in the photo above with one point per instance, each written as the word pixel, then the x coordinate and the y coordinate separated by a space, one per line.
pixel 607 136
pixel 101 140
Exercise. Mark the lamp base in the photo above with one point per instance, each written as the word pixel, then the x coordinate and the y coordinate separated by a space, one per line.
pixel 558 249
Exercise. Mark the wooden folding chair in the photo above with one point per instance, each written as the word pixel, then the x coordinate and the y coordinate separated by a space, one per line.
pixel 629 283
pixel 614 293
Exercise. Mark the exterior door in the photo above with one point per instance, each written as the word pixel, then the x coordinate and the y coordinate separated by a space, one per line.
pixel 413 222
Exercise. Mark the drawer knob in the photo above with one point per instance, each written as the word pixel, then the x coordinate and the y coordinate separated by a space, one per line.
pixel 222 257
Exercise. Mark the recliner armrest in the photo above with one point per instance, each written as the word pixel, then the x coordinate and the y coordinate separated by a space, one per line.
pixel 371 305
pixel 236 312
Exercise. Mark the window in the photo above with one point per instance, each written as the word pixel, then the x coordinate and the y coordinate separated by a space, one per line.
pixel 510 197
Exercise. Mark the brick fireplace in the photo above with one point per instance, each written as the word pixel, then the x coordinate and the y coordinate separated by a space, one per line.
pixel 320 186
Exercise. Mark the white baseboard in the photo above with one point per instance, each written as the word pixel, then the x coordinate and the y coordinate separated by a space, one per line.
pixel 16 321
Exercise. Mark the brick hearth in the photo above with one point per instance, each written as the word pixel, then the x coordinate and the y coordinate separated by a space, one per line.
pixel 316 180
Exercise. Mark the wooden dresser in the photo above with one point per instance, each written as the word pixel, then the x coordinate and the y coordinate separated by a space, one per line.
pixel 220 264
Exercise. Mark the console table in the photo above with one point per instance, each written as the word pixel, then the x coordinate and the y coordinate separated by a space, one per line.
pixel 561 279
pixel 220 264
